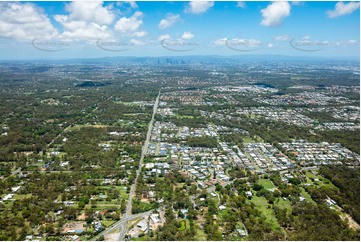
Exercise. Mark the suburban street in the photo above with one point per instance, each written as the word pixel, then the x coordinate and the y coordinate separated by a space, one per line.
pixel 144 151
pixel 122 224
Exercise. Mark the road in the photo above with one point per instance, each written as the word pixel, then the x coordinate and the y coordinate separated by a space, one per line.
pixel 121 224
pixel 144 152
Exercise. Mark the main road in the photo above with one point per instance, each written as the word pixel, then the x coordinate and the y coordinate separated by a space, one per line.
pixel 122 224
pixel 144 152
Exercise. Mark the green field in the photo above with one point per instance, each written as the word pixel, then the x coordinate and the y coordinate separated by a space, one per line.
pixel 107 223
pixel 200 235
pixel 22 196
pixel 247 139
pixel 284 204
pixel 261 204
pixel 123 192
pixel 307 196
pixel 80 126
pixel 310 175
pixel 266 183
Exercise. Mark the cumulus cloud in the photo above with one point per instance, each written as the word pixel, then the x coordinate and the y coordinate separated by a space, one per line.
pixel 130 25
pixel 169 20
pixel 270 45
pixel 81 30
pixel 187 35
pixel 274 13
pixel 93 12
pixel 198 7
pixel 140 34
pixel 86 20
pixel 163 37
pixel 241 4
pixel 343 9
pixel 24 21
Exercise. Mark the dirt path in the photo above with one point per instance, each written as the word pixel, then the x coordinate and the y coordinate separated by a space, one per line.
pixel 351 222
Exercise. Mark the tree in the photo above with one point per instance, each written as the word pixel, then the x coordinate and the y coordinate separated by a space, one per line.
pixel 257 187
pixel 81 205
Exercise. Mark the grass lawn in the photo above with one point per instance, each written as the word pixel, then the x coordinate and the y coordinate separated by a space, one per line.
pixel 247 139
pixel 22 196
pixel 310 175
pixel 308 180
pixel 123 192
pixel 142 207
pixel 183 226
pixel 327 183
pixel 128 103
pixel 222 213
pixel 284 204
pixel 107 223
pixel 143 238
pixel 133 222
pixel 80 126
pixel 266 183
pixel 261 204
pixel 102 206
pixel 200 235
pixel 307 196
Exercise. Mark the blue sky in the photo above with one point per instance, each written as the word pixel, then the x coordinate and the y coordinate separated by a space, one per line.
pixel 81 29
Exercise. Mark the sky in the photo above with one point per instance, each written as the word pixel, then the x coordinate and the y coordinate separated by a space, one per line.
pixel 91 29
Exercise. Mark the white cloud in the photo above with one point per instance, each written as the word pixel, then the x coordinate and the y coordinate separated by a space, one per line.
pixel 81 30
pixel 132 4
pixel 270 45
pixel 241 4
pixel 86 21
pixel 129 25
pixel 274 13
pixel 24 21
pixel 352 42
pixel 163 37
pixel 282 38
pixel 297 3
pixel 93 12
pixel 140 34
pixel 219 42
pixel 187 35
pixel 199 7
pixel 136 42
pixel 343 9
pixel 169 20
